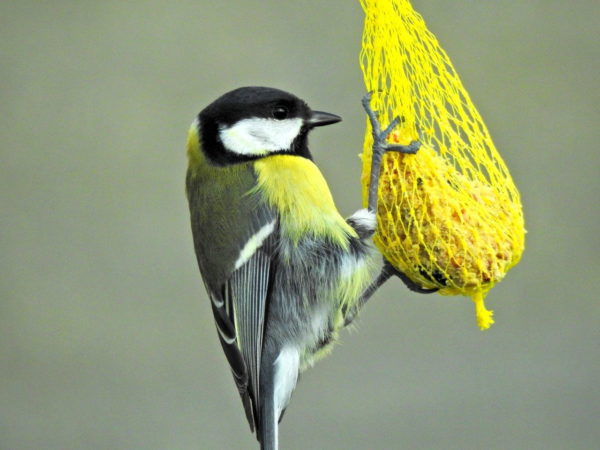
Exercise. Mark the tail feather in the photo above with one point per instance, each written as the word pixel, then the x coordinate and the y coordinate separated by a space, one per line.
pixel 269 426
pixel 268 429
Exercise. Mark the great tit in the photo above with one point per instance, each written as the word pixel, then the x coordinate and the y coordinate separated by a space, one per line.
pixel 283 269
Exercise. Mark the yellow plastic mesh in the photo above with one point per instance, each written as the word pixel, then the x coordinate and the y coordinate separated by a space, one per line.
pixel 449 217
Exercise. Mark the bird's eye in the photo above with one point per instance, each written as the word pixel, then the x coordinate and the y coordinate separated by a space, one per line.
pixel 280 112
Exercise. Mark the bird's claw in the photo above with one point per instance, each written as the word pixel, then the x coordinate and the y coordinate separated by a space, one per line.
pixel 410 149
pixel 380 144
pixel 410 284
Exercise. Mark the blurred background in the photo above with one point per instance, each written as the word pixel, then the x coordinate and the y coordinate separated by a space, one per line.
pixel 106 335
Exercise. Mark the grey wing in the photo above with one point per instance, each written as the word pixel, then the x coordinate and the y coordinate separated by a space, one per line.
pixel 249 287
pixel 240 312
pixel 223 314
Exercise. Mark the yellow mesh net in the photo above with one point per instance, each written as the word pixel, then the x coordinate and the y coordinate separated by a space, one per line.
pixel 449 217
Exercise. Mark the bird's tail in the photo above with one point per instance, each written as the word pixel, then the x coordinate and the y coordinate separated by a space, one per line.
pixel 269 424
pixel 269 428
pixel 278 377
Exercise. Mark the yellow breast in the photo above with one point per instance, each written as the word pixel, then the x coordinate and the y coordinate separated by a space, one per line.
pixel 297 189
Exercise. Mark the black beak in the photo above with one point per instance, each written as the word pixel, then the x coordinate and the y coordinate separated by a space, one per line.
pixel 320 118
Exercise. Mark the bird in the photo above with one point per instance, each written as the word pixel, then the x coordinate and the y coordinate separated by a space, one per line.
pixel 283 269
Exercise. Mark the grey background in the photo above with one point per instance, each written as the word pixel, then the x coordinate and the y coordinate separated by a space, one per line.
pixel 106 336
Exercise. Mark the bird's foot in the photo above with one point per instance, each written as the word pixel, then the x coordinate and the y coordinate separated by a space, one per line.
pixel 381 146
pixel 410 284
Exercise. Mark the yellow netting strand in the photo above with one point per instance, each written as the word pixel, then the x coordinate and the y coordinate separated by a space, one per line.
pixel 449 217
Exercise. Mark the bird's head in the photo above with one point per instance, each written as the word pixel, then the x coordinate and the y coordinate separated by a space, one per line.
pixel 254 122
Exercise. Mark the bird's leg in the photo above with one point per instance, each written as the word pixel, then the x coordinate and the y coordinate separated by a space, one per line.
pixel 387 272
pixel 383 276
pixel 380 147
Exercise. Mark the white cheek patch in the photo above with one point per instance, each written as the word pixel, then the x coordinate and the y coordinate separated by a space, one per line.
pixel 259 136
